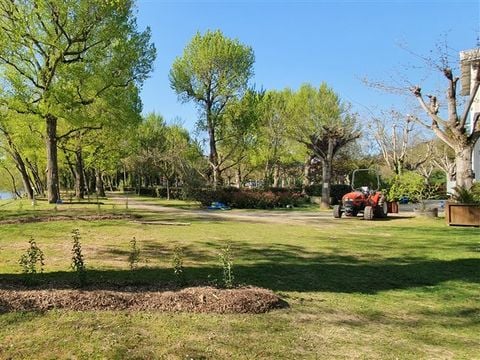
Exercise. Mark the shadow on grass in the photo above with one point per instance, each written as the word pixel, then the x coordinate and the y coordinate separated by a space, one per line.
pixel 327 273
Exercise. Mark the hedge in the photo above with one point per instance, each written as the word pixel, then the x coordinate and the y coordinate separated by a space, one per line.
pixel 249 199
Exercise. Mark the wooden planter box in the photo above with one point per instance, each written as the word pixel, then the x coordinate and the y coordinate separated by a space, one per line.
pixel 462 214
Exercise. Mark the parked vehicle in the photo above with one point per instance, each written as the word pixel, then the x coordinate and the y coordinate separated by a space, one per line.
pixel 363 200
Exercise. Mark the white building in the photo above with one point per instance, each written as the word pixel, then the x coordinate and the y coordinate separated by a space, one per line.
pixel 467 60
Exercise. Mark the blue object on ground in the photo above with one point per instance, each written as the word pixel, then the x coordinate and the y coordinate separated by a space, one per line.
pixel 403 200
pixel 219 206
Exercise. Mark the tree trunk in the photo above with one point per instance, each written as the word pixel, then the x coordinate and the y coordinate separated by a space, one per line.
pixel 37 181
pixel 168 188
pixel 213 156
pixel 25 178
pixel 14 183
pixel 53 189
pixel 79 175
pixel 238 177
pixel 463 162
pixel 306 173
pixel 326 178
pixel 19 164
pixel 99 187
pixel 276 175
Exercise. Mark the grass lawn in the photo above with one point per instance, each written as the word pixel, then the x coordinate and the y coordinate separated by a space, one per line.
pixel 397 289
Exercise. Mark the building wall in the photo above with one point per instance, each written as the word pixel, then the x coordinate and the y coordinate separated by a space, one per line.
pixel 474 112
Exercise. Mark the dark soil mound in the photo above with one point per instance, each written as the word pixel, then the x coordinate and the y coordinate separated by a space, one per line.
pixel 194 299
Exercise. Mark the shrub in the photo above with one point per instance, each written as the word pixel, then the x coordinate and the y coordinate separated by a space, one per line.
pixel 134 254
pixel 475 189
pixel 78 262
pixel 249 199
pixel 337 191
pixel 177 264
pixel 32 258
pixel 161 192
pixel 408 184
pixel 314 190
pixel 464 196
pixel 226 260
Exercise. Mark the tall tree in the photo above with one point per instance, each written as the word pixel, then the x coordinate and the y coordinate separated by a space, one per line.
pixel 238 137
pixel 395 135
pixel 324 125
pixel 212 71
pixel 58 56
pixel 275 150
pixel 454 129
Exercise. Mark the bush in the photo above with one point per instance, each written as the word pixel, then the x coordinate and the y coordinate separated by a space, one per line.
pixel 314 190
pixel 408 184
pixel 336 191
pixel 476 191
pixel 78 261
pixel 161 192
pixel 249 199
pixel 33 259
pixel 464 196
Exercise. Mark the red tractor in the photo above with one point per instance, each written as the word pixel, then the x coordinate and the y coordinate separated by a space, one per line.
pixel 371 203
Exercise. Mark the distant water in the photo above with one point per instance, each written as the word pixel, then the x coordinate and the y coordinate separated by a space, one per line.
pixel 6 195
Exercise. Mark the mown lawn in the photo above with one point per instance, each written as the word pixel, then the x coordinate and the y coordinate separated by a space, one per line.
pixel 397 289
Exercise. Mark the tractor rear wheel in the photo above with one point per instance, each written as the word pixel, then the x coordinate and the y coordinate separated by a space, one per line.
pixel 337 212
pixel 382 207
pixel 368 213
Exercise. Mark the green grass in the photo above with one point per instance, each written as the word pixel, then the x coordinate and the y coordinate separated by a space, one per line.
pixel 397 289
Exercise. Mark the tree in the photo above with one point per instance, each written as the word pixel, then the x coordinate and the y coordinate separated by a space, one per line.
pixel 238 137
pixel 395 136
pixel 324 125
pixel 212 71
pixel 59 56
pixel 444 158
pixel 10 146
pixel 453 129
pixel 275 151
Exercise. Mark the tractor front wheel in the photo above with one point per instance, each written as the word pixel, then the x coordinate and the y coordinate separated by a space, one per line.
pixel 368 213
pixel 337 212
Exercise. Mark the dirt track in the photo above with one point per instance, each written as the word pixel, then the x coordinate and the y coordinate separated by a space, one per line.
pixel 257 216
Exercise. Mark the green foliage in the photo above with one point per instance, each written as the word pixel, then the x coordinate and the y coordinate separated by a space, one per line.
pixel 321 122
pixel 274 148
pixel 250 199
pixel 32 258
pixel 134 254
pixel 466 196
pixel 226 260
pixel 212 67
pixel 213 71
pixel 409 184
pixel 177 264
pixel 76 65
pixel 475 189
pixel 166 150
pixel 78 261
pixel 336 191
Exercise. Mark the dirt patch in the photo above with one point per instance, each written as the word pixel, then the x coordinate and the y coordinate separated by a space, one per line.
pixel 35 219
pixel 195 299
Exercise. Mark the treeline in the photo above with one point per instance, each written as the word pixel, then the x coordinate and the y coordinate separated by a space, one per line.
pixel 70 113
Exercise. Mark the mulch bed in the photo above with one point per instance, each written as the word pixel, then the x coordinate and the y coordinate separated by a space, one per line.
pixel 35 219
pixel 194 299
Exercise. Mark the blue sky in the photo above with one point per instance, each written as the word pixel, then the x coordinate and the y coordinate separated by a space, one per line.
pixel 339 42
